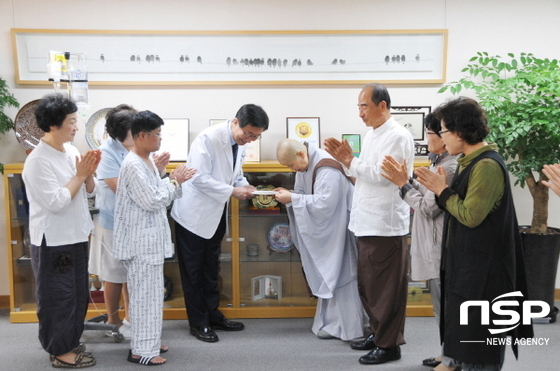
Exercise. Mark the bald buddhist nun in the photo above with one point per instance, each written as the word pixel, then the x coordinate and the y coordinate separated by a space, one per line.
pixel 319 210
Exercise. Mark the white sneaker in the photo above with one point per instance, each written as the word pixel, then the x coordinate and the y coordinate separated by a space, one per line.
pixel 125 330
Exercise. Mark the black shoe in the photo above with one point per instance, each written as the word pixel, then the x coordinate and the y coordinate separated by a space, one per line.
pixel 431 362
pixel 227 325
pixel 204 333
pixel 366 344
pixel 381 355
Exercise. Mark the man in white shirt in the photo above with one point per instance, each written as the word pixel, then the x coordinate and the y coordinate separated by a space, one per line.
pixel 380 220
pixel 217 154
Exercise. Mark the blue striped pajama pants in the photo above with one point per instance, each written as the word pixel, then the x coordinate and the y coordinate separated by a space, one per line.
pixel 146 290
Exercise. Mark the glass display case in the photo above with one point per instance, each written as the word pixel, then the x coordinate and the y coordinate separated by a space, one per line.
pixel 261 274
pixel 271 279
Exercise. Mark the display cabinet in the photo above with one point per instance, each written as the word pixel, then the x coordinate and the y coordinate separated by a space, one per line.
pixel 261 274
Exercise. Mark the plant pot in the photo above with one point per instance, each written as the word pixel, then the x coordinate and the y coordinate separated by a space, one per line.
pixel 541 252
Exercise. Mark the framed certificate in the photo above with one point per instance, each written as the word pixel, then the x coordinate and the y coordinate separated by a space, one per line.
pixel 175 138
pixel 304 129
pixel 354 140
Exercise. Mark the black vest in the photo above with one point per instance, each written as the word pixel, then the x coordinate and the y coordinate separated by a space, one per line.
pixel 480 263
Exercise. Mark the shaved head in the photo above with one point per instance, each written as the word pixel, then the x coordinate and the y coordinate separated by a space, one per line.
pixel 293 154
pixel 287 149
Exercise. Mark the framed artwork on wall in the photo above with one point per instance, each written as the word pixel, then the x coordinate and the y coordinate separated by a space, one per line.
pixel 221 58
pixel 354 140
pixel 175 138
pixel 304 129
pixel 412 118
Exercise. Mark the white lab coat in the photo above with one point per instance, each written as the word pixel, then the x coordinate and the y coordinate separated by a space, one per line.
pixel 206 194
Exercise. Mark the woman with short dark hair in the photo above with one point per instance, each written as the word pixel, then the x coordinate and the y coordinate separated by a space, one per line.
pixel 58 181
pixel 101 263
pixel 482 255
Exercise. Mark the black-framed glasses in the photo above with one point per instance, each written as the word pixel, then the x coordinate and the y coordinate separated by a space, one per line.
pixel 443 132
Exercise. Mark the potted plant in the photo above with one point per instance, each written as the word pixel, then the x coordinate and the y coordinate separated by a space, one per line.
pixel 6 100
pixel 521 96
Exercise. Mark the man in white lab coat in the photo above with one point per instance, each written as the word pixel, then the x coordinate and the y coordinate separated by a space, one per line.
pixel 217 154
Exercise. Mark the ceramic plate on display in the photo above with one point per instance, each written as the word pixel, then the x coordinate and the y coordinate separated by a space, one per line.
pixel 265 193
pixel 95 129
pixel 28 133
pixel 279 237
pixel 266 199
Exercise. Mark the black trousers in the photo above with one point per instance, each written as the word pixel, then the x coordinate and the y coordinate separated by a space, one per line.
pixel 199 264
pixel 62 292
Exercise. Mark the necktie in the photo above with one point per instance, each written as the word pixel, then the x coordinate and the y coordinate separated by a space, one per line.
pixel 234 149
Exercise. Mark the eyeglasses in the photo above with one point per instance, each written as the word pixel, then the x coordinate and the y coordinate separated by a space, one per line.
pixel 431 133
pixel 443 132
pixel 249 135
pixel 156 134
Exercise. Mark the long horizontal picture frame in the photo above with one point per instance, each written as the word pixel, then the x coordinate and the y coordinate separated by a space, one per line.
pixel 199 58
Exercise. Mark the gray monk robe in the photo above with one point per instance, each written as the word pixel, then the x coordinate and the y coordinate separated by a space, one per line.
pixel 319 215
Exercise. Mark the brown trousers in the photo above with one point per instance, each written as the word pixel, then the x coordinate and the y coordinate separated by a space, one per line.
pixel 383 285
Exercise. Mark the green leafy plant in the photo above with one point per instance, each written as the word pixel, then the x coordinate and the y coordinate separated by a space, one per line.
pixel 6 100
pixel 521 96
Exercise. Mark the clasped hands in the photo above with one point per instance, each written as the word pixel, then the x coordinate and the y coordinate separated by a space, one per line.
pixel 397 173
pixel 87 165
pixel 341 151
pixel 182 173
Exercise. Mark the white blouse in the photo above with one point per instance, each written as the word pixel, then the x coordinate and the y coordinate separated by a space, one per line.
pixel 52 211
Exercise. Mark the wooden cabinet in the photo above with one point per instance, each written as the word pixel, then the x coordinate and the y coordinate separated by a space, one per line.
pixel 255 282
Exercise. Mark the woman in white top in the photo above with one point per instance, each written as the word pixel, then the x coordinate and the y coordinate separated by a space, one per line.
pixel 58 181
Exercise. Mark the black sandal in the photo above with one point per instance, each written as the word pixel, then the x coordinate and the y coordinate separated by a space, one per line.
pixel 146 361
pixel 82 360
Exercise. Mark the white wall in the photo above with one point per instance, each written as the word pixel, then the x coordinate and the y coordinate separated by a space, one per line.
pixel 476 25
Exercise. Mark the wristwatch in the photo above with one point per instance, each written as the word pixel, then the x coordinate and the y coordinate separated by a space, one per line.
pixel 175 183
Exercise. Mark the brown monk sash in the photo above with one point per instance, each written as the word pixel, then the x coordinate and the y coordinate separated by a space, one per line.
pixel 332 163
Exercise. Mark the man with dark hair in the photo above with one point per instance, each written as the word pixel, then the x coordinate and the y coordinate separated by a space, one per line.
pixel 380 220
pixel 201 215
pixel 142 237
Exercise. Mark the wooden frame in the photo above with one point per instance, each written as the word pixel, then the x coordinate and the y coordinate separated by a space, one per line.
pixel 304 129
pixel 199 58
